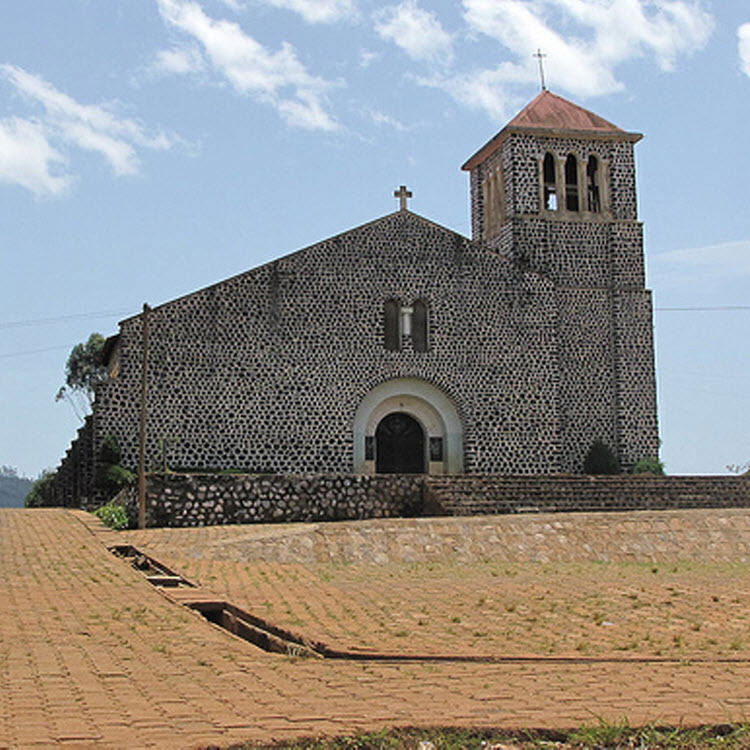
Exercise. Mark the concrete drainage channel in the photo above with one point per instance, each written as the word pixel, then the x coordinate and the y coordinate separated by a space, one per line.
pixel 250 628
pixel 272 638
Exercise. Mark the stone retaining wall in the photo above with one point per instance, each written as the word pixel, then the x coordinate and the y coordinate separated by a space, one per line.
pixel 488 494
pixel 179 500
pixel 704 535
pixel 208 499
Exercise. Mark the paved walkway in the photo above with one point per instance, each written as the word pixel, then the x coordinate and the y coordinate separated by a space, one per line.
pixel 639 601
pixel 92 656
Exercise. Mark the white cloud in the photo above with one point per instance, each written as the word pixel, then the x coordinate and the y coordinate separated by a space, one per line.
pixel 584 41
pixel 521 28
pixel 180 59
pixel 28 159
pixel 381 118
pixel 367 57
pixel 316 11
pixel 726 262
pixel 66 122
pixel 489 90
pixel 743 34
pixel 278 78
pixel 417 31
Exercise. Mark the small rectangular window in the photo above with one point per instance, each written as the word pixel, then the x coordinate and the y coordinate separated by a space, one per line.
pixel 419 326
pixel 436 449
pixel 392 325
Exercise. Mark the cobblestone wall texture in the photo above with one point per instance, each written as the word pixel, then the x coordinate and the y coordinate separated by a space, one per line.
pixel 74 476
pixel 539 334
pixel 182 500
pixel 179 500
pixel 596 261
pixel 466 496
pixel 265 371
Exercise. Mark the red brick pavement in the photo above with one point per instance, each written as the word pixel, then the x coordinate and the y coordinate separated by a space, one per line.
pixel 92 656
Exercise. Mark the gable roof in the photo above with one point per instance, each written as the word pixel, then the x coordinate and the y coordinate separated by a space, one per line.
pixel 550 114
pixel 395 216
pixel 401 217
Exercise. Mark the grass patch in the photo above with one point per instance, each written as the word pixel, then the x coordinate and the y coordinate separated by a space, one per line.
pixel 602 736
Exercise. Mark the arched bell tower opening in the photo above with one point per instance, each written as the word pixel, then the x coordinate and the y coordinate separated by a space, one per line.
pixel 408 426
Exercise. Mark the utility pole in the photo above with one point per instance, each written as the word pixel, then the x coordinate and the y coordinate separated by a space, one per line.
pixel 142 427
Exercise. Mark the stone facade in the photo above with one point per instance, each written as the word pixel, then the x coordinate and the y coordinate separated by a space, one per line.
pixel 266 371
pixel 74 479
pixel 181 500
pixel 596 261
pixel 189 500
pixel 512 353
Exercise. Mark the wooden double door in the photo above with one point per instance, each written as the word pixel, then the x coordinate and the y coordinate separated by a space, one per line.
pixel 399 445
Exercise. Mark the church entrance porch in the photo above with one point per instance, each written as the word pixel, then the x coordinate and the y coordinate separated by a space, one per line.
pixel 407 426
pixel 399 445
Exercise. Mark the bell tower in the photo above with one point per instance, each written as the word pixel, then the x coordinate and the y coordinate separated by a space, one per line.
pixel 555 192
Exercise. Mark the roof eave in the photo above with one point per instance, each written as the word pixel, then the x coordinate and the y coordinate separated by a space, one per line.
pixel 494 143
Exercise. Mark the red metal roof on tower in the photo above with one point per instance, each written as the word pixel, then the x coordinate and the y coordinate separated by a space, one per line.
pixel 553 114
pixel 549 110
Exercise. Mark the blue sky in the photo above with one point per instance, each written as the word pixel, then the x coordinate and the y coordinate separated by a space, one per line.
pixel 151 147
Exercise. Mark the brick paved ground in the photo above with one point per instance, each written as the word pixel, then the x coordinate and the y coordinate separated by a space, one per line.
pixel 635 594
pixel 92 656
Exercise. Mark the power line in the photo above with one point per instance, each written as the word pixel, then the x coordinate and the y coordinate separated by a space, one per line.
pixel 59 318
pixel 719 308
pixel 37 351
pixel 111 313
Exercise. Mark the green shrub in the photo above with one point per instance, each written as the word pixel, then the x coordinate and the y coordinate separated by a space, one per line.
pixel 109 452
pixel 113 478
pixel 110 476
pixel 600 459
pixel 112 515
pixel 649 465
pixel 41 493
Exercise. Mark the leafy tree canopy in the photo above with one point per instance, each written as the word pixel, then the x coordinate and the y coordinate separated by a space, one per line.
pixel 84 367
pixel 83 370
pixel 42 491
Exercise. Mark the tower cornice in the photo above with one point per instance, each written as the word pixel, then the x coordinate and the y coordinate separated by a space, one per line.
pixel 495 143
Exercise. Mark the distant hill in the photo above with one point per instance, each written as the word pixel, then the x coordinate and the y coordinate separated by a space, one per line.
pixel 13 491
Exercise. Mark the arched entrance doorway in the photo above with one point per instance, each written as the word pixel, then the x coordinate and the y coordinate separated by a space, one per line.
pixel 399 445
pixel 429 407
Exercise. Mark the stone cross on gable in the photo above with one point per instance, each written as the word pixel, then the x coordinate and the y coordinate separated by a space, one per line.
pixel 403 195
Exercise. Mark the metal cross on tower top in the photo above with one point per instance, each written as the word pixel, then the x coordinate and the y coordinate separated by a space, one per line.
pixel 403 195
pixel 541 57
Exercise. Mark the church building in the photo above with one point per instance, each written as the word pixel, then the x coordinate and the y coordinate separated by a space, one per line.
pixel 401 346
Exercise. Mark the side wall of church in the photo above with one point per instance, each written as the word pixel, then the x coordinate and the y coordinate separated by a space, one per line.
pixel 607 383
pixel 265 371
